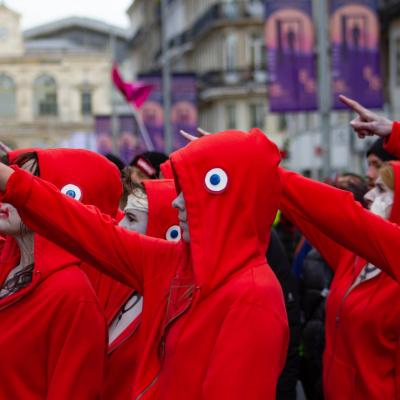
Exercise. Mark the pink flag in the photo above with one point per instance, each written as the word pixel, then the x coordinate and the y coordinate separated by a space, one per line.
pixel 134 92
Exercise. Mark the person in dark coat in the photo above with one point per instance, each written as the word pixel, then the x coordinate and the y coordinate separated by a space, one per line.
pixel 279 263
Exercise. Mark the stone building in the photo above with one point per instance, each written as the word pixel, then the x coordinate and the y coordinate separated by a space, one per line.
pixel 54 78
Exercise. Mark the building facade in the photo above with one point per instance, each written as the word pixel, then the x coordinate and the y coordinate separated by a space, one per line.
pixel 223 43
pixel 54 78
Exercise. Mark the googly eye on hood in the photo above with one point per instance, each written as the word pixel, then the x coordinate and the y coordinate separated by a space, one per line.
pixel 72 191
pixel 216 180
pixel 173 234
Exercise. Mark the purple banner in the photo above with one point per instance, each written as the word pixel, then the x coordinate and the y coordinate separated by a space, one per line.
pixel 355 52
pixel 152 111
pixel 129 142
pixel 289 38
pixel 183 109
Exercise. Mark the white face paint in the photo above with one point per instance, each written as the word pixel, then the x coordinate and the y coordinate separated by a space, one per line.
pixel 179 203
pixel 381 198
pixel 136 215
pixel 10 221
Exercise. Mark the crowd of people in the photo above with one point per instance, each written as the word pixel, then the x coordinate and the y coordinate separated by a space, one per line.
pixel 178 278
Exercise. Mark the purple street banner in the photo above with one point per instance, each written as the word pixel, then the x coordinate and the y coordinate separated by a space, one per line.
pixel 354 28
pixel 129 142
pixel 152 111
pixel 290 42
pixel 183 108
pixel 102 129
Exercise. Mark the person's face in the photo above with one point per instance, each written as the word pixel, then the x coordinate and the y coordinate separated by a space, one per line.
pixel 134 219
pixel 374 164
pixel 179 204
pixel 10 221
pixel 380 199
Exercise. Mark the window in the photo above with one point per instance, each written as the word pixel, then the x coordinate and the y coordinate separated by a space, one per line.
pixel 257 52
pixel 7 97
pixel 86 102
pixel 230 52
pixel 45 93
pixel 230 112
pixel 257 115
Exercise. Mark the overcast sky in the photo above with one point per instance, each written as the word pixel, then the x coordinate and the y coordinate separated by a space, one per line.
pixel 36 12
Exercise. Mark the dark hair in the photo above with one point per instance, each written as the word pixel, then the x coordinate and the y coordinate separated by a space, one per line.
pixel 115 160
pixel 377 148
pixel 27 157
pixel 355 184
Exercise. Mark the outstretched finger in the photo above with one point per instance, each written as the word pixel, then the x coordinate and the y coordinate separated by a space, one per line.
pixel 188 136
pixel 202 132
pixel 354 105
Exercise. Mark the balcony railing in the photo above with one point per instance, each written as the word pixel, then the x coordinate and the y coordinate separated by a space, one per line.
pixel 219 13
pixel 236 77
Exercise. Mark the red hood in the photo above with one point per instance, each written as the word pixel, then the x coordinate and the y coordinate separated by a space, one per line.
pixel 163 218
pixel 162 221
pixel 64 167
pixel 229 229
pixel 166 170
pixel 395 213
pixel 14 154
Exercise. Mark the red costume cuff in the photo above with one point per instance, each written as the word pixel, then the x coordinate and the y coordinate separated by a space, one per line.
pixel 18 187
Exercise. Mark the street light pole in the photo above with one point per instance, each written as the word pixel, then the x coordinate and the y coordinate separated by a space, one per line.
pixel 324 81
pixel 166 78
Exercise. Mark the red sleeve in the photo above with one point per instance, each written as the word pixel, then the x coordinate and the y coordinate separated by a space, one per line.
pixel 90 235
pixel 76 353
pixel 335 213
pixel 249 355
pixel 392 142
pixel 329 249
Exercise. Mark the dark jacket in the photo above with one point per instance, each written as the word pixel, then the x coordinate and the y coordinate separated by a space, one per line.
pixel 278 260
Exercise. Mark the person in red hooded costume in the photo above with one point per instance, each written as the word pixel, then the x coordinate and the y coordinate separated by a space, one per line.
pixel 361 358
pixel 53 336
pixel 213 322
pixel 148 211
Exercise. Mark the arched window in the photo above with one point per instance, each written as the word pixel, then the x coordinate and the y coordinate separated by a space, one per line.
pixel 45 89
pixel 7 97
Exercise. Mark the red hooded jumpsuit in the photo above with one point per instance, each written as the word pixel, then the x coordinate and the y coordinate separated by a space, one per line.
pixel 213 324
pixel 125 349
pixel 53 338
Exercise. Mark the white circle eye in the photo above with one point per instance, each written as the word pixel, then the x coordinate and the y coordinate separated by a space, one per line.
pixel 216 180
pixel 72 191
pixel 173 233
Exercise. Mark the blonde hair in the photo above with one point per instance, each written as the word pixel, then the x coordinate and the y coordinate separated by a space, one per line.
pixel 387 174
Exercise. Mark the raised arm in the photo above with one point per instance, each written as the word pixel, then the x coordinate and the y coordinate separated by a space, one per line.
pixel 84 231
pixel 392 141
pixel 335 213
pixel 329 249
